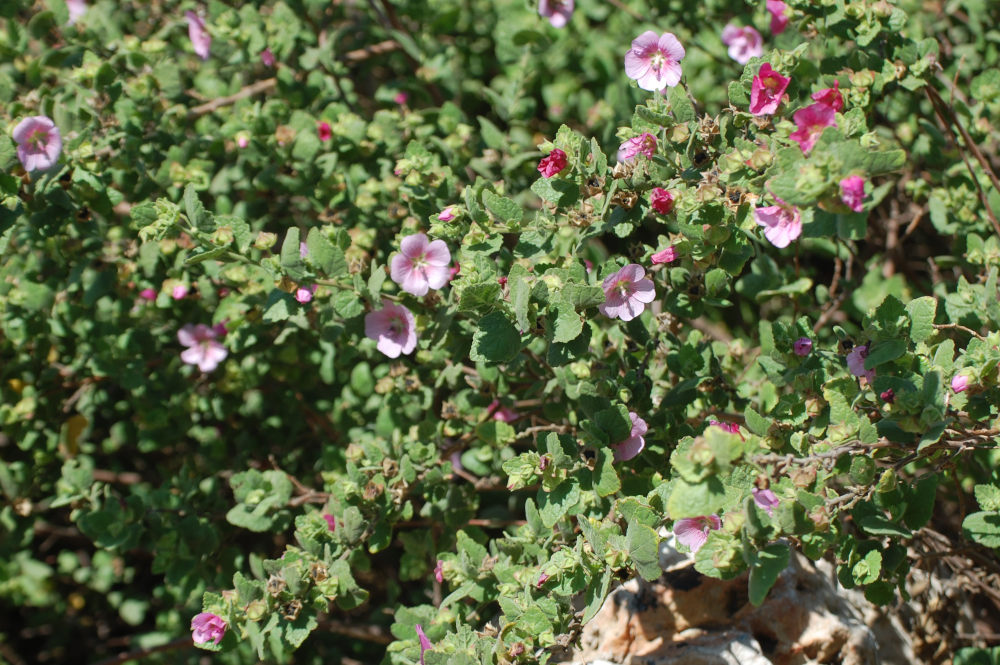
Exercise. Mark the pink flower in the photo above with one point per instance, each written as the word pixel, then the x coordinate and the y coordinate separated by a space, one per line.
pixel 634 444
pixel 779 16
pixel 661 200
pixel 38 143
pixel 267 57
pixel 179 291
pixel 324 131
pixel 502 413
pixel 304 294
pixel 811 121
pixel 454 270
pixel 439 571
pixel 743 43
pixel 668 255
pixel 766 499
pixel 852 192
pixel 557 11
pixel 802 346
pixel 542 579
pixel 420 265
pixel 394 328
pixel 147 294
pixel 77 8
pixel 626 293
pixel 401 98
pixel 830 96
pixel 553 164
pixel 331 521
pixel 782 223
pixel 447 214
pixel 856 363
pixel 693 531
pixel 242 141
pixel 425 643
pixel 732 428
pixel 654 61
pixel 960 383
pixel 766 90
pixel 207 627
pixel 644 144
pixel 201 41
pixel 203 348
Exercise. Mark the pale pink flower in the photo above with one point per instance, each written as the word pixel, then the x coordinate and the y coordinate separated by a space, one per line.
pixel 661 200
pixel 447 214
pixel 644 144
pixel 693 531
pixel 331 521
pixel 654 61
pixel 204 350
pixel 668 255
pixel 38 143
pixel 811 121
pixel 635 442
pixel 779 16
pixel 394 328
pixel 960 383
pixel 626 293
pixel 304 294
pixel 557 11
pixel 502 413
pixel 425 643
pixel 179 292
pixel 744 43
pixel 856 363
pixel 766 499
pixel 782 223
pixel 766 90
pixel 242 141
pixel 439 571
pixel 830 96
pixel 852 192
pixel 420 264
pixel 77 8
pixel 267 57
pixel 554 163
pixel 207 627
pixel 201 41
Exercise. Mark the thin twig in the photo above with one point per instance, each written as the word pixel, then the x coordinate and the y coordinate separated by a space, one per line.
pixel 255 88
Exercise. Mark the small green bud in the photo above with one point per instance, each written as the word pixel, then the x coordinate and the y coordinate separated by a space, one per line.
pixel 265 240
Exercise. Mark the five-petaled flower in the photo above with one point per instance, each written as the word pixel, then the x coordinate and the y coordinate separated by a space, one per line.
pixel 661 200
pixel 782 223
pixel 811 121
pixel 856 363
pixel 635 442
pixel 644 144
pixel 693 531
pixel 557 11
pixel 802 346
pixel 627 292
pixel 394 328
pixel 425 643
pixel 668 255
pixel 420 264
pixel 830 96
pixel 766 90
pixel 207 627
pixel 852 192
pixel 765 499
pixel 743 42
pixel 38 143
pixel 654 61
pixel 553 163
pixel 201 41
pixel 779 16
pixel 204 349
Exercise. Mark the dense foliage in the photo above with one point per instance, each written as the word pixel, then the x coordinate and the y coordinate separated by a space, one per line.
pixel 330 323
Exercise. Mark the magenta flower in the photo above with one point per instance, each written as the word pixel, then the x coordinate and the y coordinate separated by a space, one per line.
pixel 960 383
pixel 779 16
pixel 267 57
pixel 766 90
pixel 324 130
pixel 766 499
pixel 77 8
pixel 553 164
pixel 661 200
pixel 830 96
pixel 732 428
pixel 331 521
pixel 802 346
pixel 852 192
pixel 394 328
pixel 744 43
pixel 420 265
pixel 557 11
pixel 782 223
pixel 693 531
pixel 542 579
pixel 634 444
pixel 626 293
pixel 856 363
pixel 38 143
pixel 811 121
pixel 439 571
pixel 425 643
pixel 148 294
pixel 201 41
pixel 304 294
pixel 204 350
pixel 654 61
pixel 447 214
pixel 400 98
pixel 207 627
pixel 644 144
pixel 668 255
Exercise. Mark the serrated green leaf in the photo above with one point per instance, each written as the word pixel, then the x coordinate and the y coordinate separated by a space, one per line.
pixel 554 505
pixel 922 312
pixel 325 255
pixel 983 527
pixel 606 481
pixel 643 549
pixel 768 564
pixel 496 340
pixel 567 324
pixel 502 208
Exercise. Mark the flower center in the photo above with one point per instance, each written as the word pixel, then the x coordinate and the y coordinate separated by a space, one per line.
pixel 623 286
pixel 396 325
pixel 658 60
pixel 38 138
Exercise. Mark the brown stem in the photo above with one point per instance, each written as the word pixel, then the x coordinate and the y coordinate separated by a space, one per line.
pixel 249 91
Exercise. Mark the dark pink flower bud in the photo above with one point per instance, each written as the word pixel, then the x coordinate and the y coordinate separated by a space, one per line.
pixel 553 164
pixel 439 571
pixel 668 255
pixel 331 521
pixel 661 200
pixel 267 57
pixel 207 627
pixel 541 580
pixel 324 131
pixel 802 346
pixel 888 396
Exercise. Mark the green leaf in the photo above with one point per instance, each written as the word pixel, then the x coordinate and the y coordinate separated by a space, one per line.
pixel 291 257
pixel 520 295
pixel 643 549
pixel 681 105
pixel 755 422
pixel 922 312
pixel 502 208
pixel 582 296
pixel 325 255
pixel 867 569
pixel 553 506
pixel 884 352
pixel 195 211
pixel 920 501
pixel 561 193
pixel 597 591
pixel 988 497
pixel 983 527
pixel 213 253
pixel 768 564
pixel 567 325
pixel 496 340
pixel 375 282
pixel 480 297
pixel 606 481
pixel 880 525
pixel 705 498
